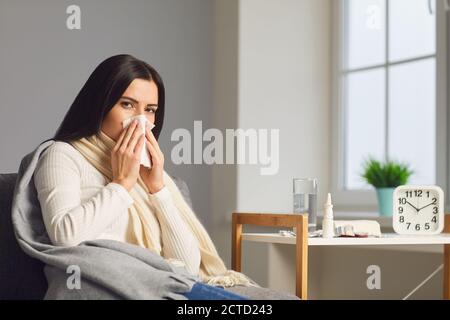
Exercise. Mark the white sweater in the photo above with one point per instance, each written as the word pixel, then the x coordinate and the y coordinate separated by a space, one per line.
pixel 78 204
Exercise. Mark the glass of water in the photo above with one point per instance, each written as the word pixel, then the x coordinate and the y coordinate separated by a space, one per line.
pixel 305 200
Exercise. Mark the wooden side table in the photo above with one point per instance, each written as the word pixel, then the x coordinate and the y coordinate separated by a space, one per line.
pixel 300 221
pixel 302 242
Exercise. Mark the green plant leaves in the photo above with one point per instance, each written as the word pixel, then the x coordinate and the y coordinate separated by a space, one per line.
pixel 389 174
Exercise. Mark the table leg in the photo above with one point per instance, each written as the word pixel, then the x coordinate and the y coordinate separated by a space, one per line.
pixel 302 259
pixel 447 271
pixel 446 276
pixel 236 244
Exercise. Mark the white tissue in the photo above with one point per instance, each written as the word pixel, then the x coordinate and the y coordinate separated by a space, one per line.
pixel 145 155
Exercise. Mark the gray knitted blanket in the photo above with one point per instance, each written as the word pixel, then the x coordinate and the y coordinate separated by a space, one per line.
pixel 97 269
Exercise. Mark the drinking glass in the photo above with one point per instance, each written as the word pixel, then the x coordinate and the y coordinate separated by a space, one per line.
pixel 305 200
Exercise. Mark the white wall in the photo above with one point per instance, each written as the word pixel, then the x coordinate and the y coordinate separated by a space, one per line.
pixel 284 83
pixel 281 53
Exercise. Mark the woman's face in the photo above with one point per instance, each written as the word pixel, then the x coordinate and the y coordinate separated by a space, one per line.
pixel 140 98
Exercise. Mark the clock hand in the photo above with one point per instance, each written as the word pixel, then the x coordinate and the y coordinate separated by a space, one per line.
pixel 426 206
pixel 412 206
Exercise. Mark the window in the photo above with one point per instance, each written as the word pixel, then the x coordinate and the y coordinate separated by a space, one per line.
pixel 390 91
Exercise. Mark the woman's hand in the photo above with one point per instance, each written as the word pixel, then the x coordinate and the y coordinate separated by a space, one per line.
pixel 153 177
pixel 126 156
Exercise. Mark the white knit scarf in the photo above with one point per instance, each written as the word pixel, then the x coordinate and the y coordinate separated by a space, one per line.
pixel 146 229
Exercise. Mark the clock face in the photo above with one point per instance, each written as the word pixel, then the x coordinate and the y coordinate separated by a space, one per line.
pixel 418 210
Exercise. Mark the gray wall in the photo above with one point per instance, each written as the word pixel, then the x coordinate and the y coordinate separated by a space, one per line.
pixel 43 65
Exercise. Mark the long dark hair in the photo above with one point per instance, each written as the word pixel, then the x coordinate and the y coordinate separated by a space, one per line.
pixel 101 92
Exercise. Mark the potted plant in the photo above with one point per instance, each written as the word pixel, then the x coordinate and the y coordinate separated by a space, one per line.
pixel 385 177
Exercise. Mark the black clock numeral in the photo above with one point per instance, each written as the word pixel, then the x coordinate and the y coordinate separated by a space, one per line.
pixel 427 226
pixel 408 225
pixel 400 209
pixel 417 227
pixel 402 219
pixel 402 200
pixel 434 219
pixel 415 193
pixel 428 194
pixel 435 209
pixel 434 200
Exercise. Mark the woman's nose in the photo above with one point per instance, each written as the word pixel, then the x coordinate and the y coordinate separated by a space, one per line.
pixel 146 116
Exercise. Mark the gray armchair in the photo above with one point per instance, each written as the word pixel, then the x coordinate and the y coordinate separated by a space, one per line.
pixel 22 277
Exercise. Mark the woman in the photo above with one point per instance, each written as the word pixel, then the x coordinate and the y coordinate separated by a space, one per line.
pixel 91 185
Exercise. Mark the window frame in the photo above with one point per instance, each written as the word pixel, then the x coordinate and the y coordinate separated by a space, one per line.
pixel 365 200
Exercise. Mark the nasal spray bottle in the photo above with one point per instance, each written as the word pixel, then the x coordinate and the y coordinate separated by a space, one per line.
pixel 327 222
